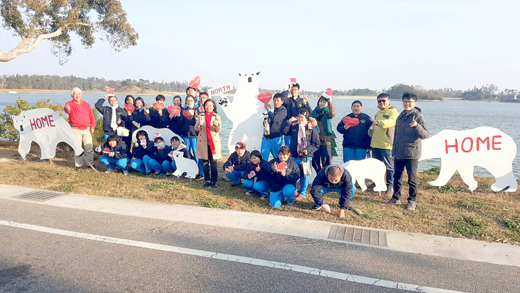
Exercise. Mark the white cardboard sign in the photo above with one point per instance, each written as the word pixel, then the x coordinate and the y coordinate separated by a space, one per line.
pixel 245 112
pixel 165 133
pixel 220 89
pixel 461 151
pixel 370 168
pixel 47 128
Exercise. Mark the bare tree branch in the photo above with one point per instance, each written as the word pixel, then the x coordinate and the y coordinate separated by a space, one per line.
pixel 25 45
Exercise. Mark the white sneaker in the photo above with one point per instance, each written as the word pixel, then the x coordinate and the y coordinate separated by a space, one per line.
pixel 125 172
pixel 110 170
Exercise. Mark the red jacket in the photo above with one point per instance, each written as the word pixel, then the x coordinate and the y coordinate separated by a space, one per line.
pixel 80 115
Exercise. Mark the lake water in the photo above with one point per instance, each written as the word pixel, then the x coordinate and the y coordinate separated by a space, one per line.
pixel 457 115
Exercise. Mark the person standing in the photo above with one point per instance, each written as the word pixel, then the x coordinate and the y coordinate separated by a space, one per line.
pixel 113 115
pixel 356 141
pixel 293 104
pixel 410 130
pixel 382 132
pixel 272 141
pixel 323 113
pixel 82 121
pixel 209 148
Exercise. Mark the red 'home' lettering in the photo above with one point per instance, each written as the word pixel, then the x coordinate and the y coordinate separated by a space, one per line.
pixel 470 146
pixel 456 146
pixel 480 140
pixel 496 142
pixel 45 121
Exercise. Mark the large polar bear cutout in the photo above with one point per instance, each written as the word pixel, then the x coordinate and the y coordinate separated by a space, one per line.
pixel 47 128
pixel 461 151
pixel 245 112
pixel 185 165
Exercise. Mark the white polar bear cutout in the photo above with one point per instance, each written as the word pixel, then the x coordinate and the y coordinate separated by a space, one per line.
pixel 185 165
pixel 370 168
pixel 461 151
pixel 245 112
pixel 165 133
pixel 47 128
pixel 360 170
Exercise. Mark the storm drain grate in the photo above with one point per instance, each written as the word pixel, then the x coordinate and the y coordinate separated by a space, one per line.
pixel 358 235
pixel 39 195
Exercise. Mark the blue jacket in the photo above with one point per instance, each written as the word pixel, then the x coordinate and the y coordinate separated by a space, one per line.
pixel 276 121
pixel 356 137
pixel 234 160
pixel 277 181
pixel 345 184
pixel 107 116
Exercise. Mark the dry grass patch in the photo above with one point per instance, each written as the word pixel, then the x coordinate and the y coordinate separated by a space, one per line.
pixel 450 210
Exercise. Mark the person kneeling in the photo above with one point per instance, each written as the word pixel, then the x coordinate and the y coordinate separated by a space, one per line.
pixel 177 146
pixel 256 175
pixel 239 157
pixel 114 154
pixel 142 147
pixel 333 178
pixel 284 175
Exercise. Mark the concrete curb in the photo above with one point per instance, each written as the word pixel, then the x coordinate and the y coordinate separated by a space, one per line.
pixel 455 248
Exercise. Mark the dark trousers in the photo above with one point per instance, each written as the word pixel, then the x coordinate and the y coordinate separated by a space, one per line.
pixel 385 156
pixel 322 158
pixel 411 169
pixel 210 168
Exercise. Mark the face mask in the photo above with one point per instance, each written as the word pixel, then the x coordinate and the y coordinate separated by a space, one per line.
pixel 159 145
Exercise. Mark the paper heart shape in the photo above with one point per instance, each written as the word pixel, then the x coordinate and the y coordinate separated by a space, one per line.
pixel 158 106
pixel 129 108
pixel 281 166
pixel 292 80
pixel 195 82
pixel 106 150
pixel 350 121
pixel 187 114
pixel 170 154
pixel 170 109
pixel 176 110
pixel 110 92
pixel 143 141
pixel 328 92
pixel 252 173
pixel 265 97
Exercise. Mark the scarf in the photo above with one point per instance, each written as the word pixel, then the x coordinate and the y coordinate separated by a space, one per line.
pixel 302 139
pixel 113 120
pixel 208 133
pixel 323 115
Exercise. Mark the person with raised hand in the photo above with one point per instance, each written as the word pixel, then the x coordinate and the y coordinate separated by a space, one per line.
pixel 83 123
pixel 113 115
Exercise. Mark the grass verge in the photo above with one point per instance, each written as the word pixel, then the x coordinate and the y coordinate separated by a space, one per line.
pixel 449 211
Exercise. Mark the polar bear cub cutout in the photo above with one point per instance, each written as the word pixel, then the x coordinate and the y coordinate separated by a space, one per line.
pixel 461 151
pixel 185 165
pixel 370 168
pixel 245 112
pixel 47 128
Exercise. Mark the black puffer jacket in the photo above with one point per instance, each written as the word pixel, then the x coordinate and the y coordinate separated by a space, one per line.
pixel 407 139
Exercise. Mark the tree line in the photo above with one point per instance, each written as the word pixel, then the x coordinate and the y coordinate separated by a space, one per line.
pixel 54 82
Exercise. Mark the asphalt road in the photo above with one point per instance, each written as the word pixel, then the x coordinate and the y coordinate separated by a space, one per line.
pixel 35 261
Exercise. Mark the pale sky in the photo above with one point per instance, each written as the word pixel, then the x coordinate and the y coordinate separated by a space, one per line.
pixel 337 44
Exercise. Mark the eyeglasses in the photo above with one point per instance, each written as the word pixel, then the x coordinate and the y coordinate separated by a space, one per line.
pixel 382 101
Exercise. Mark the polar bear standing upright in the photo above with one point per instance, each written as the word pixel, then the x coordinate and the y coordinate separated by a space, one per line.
pixel 245 112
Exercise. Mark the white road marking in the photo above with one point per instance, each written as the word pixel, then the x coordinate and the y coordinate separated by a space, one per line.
pixel 229 257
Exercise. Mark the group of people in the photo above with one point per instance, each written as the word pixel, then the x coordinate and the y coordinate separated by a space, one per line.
pixel 297 138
